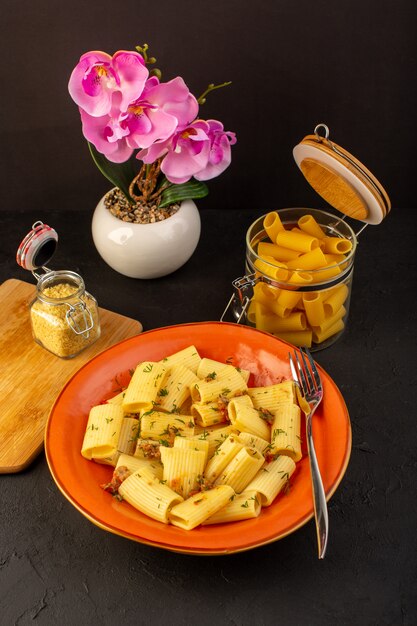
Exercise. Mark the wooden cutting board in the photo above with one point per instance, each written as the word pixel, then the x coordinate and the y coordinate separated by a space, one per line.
pixel 32 377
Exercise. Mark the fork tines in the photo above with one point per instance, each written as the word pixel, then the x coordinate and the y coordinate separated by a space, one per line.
pixel 305 372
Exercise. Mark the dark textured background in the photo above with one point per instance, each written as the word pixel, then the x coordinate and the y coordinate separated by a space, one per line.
pixel 350 64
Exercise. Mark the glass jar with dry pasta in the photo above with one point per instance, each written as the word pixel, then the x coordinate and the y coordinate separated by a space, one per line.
pixel 299 262
pixel 299 268
pixel 64 316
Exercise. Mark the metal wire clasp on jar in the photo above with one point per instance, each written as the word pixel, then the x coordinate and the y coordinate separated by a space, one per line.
pixel 299 268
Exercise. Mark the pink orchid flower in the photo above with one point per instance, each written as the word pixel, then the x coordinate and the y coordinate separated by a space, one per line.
pixel 220 153
pixel 151 118
pixel 98 77
pixel 107 136
pixel 202 150
pixel 160 110
pixel 187 153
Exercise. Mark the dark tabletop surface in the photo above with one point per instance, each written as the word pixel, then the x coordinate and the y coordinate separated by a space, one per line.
pixel 56 567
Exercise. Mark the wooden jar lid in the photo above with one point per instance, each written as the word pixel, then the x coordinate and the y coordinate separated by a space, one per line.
pixel 339 178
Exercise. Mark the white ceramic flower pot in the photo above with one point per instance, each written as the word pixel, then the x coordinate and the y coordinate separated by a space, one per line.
pixel 147 250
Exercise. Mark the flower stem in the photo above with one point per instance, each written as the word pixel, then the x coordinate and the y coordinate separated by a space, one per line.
pixel 211 87
pixel 146 182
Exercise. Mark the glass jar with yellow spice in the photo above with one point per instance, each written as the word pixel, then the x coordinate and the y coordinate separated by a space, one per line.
pixel 64 316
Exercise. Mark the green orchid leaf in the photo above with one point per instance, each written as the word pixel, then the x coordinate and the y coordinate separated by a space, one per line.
pixel 119 174
pixel 185 191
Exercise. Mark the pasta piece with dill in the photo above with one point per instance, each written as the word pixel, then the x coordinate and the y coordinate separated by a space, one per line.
pixel 102 431
pixel 176 388
pixel 142 391
pixel 285 431
pixel 182 469
pixel 134 464
pixel 252 441
pixel 189 357
pixel 272 478
pixel 193 444
pixel 214 435
pixel 241 469
pixel 208 414
pixel 193 511
pixel 157 425
pixel 222 457
pixel 269 397
pixel 148 494
pixel 229 386
pixel 242 506
pixel 248 419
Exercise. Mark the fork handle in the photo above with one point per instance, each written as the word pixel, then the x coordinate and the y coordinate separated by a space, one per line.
pixel 319 497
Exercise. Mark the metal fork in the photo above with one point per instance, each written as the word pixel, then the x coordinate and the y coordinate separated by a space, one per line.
pixel 310 393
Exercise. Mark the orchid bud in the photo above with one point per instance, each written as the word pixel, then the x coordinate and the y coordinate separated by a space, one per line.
pixel 156 72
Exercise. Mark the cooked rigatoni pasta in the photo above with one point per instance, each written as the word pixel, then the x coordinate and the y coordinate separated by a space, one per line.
pixel 182 469
pixel 229 370
pixel 271 478
pixel 176 388
pixel 109 460
pixel 102 432
pixel 129 432
pixel 142 391
pixel 193 511
pixel 245 505
pixel 185 474
pixel 148 449
pixel 241 469
pixel 149 495
pixel 126 442
pixel 117 399
pixel 231 407
pixel 268 398
pixel 227 386
pixel 285 431
pixel 158 425
pixel 222 457
pixel 188 357
pixel 193 444
pixel 215 435
pixel 248 419
pixel 209 368
pixel 207 414
pixel 252 441
pixel 134 464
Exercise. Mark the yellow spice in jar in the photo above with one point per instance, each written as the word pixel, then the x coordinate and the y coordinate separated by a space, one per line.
pixel 51 327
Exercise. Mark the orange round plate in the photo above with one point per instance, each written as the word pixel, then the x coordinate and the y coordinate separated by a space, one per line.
pixel 267 358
